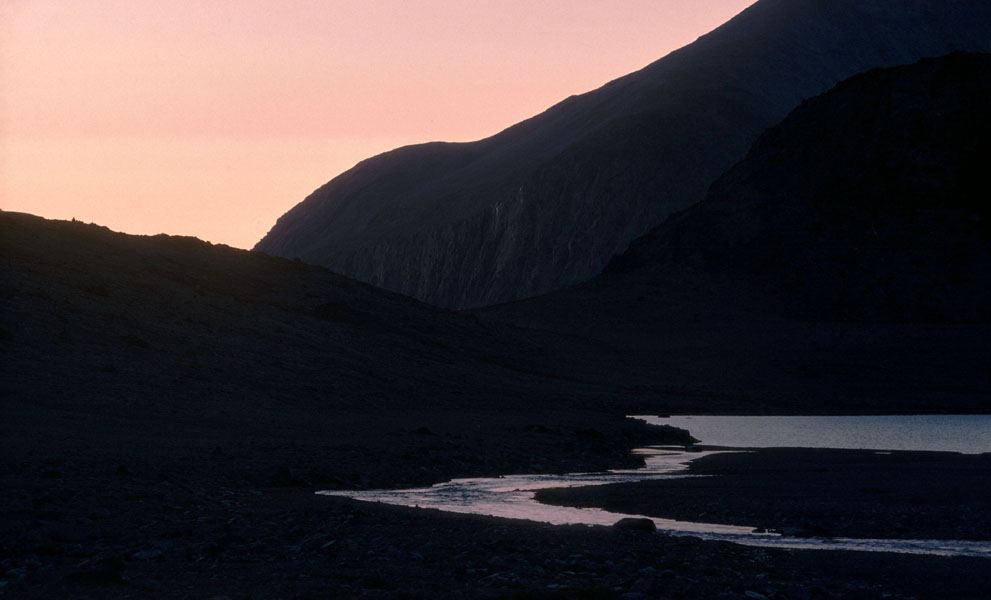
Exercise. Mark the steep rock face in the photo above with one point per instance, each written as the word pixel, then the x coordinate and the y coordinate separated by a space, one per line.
pixel 868 202
pixel 843 266
pixel 548 202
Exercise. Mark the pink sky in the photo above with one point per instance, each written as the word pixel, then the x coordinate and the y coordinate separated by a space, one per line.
pixel 214 118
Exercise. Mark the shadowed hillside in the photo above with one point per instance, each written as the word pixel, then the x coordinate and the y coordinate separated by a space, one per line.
pixel 168 346
pixel 547 202
pixel 843 265
pixel 869 202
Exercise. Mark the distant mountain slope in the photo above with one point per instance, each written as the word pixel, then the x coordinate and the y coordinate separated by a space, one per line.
pixel 844 264
pixel 547 202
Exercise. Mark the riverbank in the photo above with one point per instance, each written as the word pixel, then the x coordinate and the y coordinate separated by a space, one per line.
pixel 85 520
pixel 816 492
pixel 110 505
pixel 288 543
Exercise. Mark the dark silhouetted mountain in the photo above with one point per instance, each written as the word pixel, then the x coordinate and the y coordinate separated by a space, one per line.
pixel 850 251
pixel 868 202
pixel 549 201
pixel 89 313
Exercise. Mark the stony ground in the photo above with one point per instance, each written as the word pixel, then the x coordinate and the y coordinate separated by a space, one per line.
pixel 129 528
pixel 287 544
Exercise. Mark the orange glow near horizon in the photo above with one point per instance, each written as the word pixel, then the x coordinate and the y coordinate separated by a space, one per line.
pixel 214 118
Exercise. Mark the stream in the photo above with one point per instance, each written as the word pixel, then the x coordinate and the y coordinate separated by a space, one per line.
pixel 512 496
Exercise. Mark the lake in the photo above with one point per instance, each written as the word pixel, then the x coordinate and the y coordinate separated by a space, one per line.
pixel 967 434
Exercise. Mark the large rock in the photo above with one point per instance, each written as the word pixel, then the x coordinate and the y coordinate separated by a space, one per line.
pixel 635 524
pixel 548 201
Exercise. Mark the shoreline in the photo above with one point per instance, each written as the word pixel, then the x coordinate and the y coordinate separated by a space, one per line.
pixel 90 516
pixel 808 492
pixel 638 496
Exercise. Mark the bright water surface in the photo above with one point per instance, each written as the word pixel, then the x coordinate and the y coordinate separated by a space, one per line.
pixel 968 434
pixel 512 496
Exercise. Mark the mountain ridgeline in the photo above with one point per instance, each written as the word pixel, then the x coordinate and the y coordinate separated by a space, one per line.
pixel 546 203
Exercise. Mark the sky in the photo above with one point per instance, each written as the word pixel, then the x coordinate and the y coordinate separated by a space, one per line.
pixel 212 119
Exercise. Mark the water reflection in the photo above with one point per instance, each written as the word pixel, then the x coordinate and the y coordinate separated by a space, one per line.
pixel 512 496
pixel 967 434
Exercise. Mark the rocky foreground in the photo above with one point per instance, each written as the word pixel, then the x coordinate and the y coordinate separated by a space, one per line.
pixel 120 527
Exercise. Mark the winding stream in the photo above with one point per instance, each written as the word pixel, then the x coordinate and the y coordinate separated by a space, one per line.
pixel 512 496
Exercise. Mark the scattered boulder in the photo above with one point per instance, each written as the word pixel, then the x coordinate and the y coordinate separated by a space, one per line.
pixel 635 524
